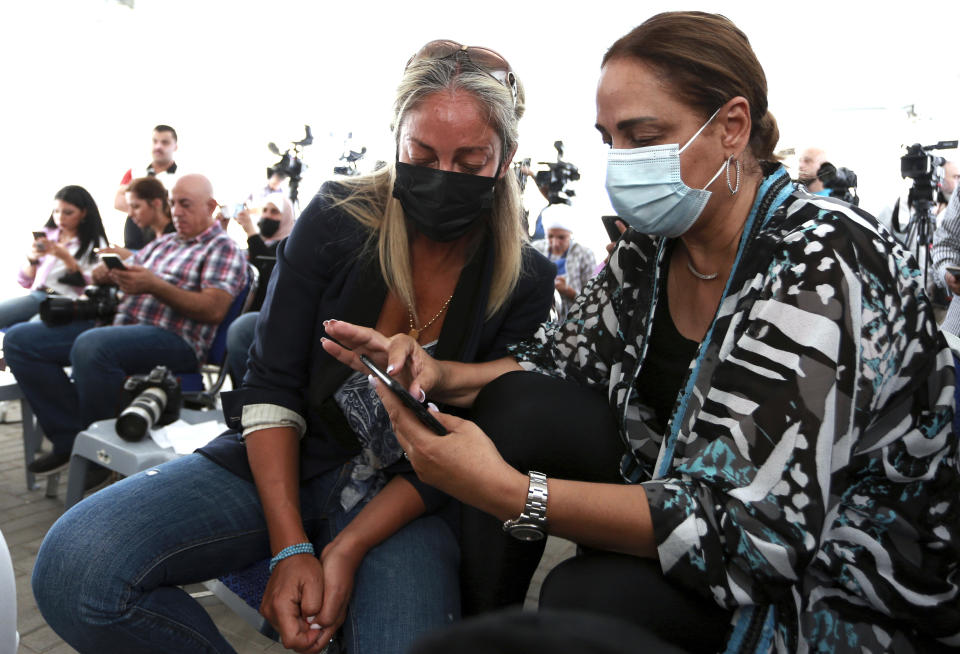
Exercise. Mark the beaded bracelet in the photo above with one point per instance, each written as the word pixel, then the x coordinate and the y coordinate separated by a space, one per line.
pixel 299 548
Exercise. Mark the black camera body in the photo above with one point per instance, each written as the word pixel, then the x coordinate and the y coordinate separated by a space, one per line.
pixel 842 182
pixel 96 303
pixel 553 181
pixel 350 157
pixel 150 400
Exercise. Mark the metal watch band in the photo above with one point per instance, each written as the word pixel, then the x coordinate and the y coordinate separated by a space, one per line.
pixel 532 523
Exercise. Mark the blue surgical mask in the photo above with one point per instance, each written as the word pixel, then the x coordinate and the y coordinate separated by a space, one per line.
pixel 647 191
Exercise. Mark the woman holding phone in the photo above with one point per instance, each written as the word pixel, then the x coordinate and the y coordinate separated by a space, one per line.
pixel 312 477
pixel 770 463
pixel 61 256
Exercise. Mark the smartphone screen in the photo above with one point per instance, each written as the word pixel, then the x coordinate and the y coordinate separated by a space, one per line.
pixel 421 411
pixel 112 261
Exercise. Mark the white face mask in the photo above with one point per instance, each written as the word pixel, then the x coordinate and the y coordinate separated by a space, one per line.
pixel 647 191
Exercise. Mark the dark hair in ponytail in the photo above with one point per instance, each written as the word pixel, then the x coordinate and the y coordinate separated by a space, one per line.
pixel 707 61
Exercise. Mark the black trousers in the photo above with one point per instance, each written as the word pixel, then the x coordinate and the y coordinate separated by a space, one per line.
pixel 566 431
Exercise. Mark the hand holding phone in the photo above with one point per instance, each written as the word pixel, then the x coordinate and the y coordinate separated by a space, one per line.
pixel 610 224
pixel 39 238
pixel 112 261
pixel 418 409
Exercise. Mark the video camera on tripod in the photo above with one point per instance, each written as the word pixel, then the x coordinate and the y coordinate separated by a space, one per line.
pixel 553 182
pixel 291 162
pixel 926 171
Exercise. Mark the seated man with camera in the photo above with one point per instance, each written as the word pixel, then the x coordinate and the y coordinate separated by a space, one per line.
pixel 175 292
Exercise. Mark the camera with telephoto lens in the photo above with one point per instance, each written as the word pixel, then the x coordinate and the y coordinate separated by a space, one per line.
pixel 291 162
pixel 151 400
pixel 96 303
pixel 553 182
pixel 842 182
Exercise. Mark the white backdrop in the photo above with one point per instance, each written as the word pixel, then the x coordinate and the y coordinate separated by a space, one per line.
pixel 84 81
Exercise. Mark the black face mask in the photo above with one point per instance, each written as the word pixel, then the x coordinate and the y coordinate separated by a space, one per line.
pixel 268 227
pixel 443 205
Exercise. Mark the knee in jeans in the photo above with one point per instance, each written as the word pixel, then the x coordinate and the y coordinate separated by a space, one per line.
pixel 15 338
pixel 88 348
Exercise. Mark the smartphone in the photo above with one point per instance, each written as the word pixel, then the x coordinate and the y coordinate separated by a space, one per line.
pixel 112 261
pixel 421 411
pixel 610 224
pixel 36 237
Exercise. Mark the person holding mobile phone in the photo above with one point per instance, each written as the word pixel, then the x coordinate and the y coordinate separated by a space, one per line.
pixel 61 257
pixel 763 457
pixel 310 476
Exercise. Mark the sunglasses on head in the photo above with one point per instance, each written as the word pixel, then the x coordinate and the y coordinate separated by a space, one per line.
pixel 485 59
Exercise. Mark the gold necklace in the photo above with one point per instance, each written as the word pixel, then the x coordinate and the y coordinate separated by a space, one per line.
pixel 414 332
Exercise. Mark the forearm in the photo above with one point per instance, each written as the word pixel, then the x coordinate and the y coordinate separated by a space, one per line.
pixel 397 504
pixel 120 200
pixel 273 456
pixel 192 304
pixel 460 383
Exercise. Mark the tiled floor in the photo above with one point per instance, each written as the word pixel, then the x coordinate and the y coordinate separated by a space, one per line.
pixel 26 515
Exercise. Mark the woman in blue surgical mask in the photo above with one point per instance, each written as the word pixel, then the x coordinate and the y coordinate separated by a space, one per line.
pixel 744 420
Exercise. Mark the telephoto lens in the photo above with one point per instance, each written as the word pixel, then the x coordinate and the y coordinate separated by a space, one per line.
pixel 136 420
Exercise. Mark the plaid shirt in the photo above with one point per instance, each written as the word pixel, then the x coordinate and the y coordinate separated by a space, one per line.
pixel 581 264
pixel 209 260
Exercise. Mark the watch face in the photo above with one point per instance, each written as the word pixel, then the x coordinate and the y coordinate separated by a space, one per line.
pixel 527 533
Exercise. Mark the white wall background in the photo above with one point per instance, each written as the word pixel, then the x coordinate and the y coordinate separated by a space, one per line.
pixel 83 82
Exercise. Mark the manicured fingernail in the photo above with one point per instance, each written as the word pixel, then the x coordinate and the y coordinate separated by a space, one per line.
pixel 423 396
pixel 326 322
pixel 372 381
pixel 433 407
pixel 311 618
pixel 390 368
pixel 316 627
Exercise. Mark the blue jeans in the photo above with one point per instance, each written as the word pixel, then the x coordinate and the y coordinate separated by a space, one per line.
pixel 107 575
pixel 239 338
pixel 21 309
pixel 101 357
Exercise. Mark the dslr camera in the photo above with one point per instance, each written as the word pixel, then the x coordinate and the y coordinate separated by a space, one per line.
pixel 151 400
pixel 291 161
pixel 554 181
pixel 96 303
pixel 842 182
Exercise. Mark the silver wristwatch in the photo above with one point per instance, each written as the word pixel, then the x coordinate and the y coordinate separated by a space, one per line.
pixel 532 523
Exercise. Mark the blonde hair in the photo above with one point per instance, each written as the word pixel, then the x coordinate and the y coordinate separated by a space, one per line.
pixel 369 198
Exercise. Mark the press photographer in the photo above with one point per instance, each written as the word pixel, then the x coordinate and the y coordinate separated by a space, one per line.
pixel 926 172
pixel 177 289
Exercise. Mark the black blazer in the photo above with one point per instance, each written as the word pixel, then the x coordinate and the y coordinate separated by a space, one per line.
pixel 329 268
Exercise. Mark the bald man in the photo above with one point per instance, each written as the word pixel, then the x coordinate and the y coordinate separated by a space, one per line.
pixel 808 163
pixel 176 291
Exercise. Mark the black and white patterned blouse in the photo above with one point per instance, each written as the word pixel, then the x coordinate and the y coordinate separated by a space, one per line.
pixel 808 480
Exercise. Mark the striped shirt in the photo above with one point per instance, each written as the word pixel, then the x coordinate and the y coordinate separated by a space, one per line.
pixel 210 260
pixel 946 252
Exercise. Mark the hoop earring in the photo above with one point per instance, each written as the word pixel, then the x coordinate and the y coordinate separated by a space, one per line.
pixel 733 189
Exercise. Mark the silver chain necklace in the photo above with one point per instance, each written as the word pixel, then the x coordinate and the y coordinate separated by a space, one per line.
pixel 698 274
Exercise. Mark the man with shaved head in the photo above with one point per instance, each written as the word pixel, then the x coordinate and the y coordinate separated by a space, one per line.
pixel 808 163
pixel 176 290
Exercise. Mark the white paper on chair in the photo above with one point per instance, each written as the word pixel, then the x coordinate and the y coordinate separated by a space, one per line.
pixel 184 437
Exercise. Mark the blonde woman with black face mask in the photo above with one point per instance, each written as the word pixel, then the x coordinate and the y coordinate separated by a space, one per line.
pixel 311 482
